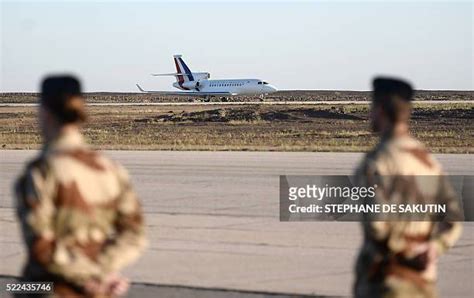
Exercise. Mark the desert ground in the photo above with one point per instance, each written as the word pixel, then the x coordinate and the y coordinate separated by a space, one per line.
pixel 444 127
pixel 288 95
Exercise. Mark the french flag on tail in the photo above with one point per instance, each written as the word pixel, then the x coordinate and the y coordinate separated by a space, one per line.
pixel 181 69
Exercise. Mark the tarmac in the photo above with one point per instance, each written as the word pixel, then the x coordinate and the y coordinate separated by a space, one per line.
pixel 212 221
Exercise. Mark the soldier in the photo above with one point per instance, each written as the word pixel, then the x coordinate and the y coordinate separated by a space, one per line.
pixel 398 256
pixel 80 218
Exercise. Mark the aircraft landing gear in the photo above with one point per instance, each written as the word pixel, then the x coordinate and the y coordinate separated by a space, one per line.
pixel 224 99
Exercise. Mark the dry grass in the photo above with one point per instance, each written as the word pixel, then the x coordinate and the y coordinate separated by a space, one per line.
pixel 444 127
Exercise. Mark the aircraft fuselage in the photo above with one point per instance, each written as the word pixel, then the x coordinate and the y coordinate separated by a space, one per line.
pixel 234 86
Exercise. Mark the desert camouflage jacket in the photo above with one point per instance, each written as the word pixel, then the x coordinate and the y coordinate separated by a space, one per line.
pixel 79 215
pixel 404 170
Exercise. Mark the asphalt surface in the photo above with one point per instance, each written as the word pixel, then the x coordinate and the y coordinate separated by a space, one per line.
pixel 338 102
pixel 212 221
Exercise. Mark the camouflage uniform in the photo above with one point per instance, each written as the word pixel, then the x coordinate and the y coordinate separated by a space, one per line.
pixel 387 265
pixel 79 215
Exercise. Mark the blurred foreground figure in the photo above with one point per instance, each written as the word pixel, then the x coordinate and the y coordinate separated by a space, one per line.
pixel 398 257
pixel 80 218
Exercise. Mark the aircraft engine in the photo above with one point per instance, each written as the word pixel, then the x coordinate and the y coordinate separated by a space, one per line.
pixel 191 85
pixel 201 75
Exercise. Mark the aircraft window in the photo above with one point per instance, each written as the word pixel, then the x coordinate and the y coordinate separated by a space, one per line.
pixel 260 83
pixel 265 83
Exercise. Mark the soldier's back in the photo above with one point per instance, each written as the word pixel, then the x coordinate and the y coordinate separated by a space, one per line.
pixel 80 218
pixel 389 264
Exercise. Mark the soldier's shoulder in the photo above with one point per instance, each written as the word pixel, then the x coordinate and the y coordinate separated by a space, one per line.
pixel 373 157
pixel 39 163
pixel 88 158
pixel 36 168
pixel 402 155
pixel 415 150
pixel 411 156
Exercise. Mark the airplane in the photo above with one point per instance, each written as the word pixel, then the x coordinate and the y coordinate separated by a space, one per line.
pixel 198 84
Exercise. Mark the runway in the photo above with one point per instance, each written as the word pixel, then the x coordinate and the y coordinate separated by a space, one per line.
pixel 212 221
pixel 340 102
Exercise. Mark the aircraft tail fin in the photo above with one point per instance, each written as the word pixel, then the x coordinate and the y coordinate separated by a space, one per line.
pixel 184 74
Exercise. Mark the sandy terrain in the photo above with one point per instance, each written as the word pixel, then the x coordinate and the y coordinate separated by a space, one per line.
pixel 338 127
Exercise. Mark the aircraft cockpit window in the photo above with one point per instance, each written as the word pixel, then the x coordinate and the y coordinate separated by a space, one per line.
pixel 265 83
pixel 260 83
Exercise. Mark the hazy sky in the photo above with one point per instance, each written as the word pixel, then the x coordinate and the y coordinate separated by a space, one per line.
pixel 112 45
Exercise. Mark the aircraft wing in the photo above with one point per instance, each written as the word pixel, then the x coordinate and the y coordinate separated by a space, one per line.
pixel 186 93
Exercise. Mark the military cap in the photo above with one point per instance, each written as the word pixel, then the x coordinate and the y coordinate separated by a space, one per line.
pixel 62 96
pixel 384 87
pixel 58 88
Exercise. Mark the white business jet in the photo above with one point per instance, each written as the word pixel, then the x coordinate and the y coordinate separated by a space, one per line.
pixel 198 84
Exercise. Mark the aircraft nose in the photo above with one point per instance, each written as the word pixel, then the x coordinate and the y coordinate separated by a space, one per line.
pixel 270 89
